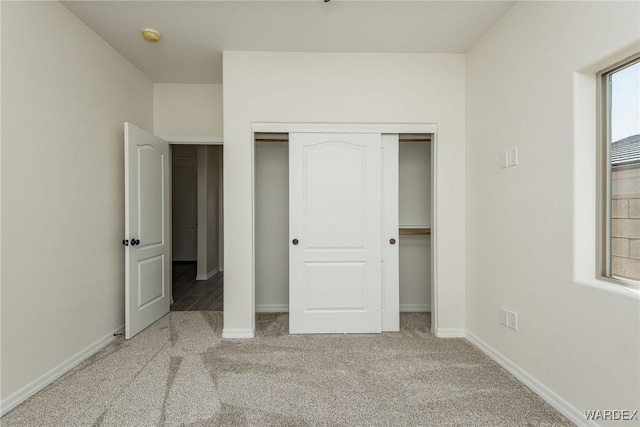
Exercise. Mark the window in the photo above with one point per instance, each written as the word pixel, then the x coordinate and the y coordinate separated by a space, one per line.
pixel 620 180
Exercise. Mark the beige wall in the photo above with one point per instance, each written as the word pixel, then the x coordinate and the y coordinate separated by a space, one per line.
pixel 62 186
pixel 184 202
pixel 214 156
pixel 208 209
pixel 580 341
pixel 339 88
pixel 187 109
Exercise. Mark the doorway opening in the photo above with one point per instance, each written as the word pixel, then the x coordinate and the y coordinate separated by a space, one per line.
pixel 197 228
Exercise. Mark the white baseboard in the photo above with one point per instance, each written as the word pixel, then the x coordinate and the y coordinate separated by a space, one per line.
pixel 38 384
pixel 238 333
pixel 415 308
pixel 284 308
pixel 207 276
pixel 564 407
pixel 450 333
pixel 272 308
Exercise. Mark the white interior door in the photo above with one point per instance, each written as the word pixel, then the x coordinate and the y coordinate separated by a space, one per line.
pixel 335 233
pixel 390 237
pixel 185 208
pixel 147 258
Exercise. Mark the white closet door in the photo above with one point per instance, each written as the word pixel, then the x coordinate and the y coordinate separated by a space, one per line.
pixel 335 233
pixel 390 238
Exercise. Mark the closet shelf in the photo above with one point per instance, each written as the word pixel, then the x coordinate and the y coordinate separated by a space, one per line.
pixel 272 140
pixel 414 140
pixel 415 231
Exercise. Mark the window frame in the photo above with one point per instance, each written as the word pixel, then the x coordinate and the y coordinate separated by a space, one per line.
pixel 603 169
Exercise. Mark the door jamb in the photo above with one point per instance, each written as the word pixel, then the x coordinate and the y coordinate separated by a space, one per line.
pixel 193 140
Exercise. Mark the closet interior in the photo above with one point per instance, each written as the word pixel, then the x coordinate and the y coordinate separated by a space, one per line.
pixel 414 220
pixel 271 216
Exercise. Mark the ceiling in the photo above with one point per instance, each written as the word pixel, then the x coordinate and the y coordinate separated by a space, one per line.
pixel 194 33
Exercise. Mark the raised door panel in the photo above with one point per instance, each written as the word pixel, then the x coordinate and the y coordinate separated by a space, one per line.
pixel 151 163
pixel 335 197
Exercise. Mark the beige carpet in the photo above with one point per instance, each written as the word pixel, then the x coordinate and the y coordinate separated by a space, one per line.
pixel 179 371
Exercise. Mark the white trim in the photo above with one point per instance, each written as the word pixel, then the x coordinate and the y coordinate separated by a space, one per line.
pixel 237 333
pixel 39 383
pixel 207 276
pixel 343 127
pixel 434 234
pixel 200 140
pixel 614 288
pixel 450 333
pixel 415 308
pixel 564 407
pixel 272 308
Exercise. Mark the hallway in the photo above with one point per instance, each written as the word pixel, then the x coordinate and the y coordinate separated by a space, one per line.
pixel 190 294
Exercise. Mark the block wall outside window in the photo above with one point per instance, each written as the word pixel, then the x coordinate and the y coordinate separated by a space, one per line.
pixel 625 234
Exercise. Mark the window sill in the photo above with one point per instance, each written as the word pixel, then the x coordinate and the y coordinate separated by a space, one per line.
pixel 610 287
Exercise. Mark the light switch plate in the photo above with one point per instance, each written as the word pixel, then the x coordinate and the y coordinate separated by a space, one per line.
pixel 503 316
pixel 504 159
pixel 513 320
pixel 513 157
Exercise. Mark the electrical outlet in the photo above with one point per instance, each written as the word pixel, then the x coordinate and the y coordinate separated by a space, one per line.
pixel 512 320
pixel 513 157
pixel 503 316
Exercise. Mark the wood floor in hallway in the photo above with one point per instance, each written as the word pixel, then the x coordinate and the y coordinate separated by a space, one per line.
pixel 190 294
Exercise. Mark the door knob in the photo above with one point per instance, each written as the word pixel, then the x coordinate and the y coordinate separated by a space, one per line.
pixel 135 242
pixel 392 241
pixel 125 242
pixel 294 241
